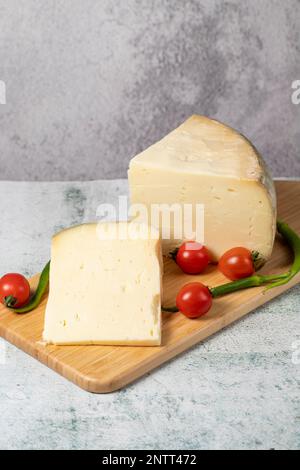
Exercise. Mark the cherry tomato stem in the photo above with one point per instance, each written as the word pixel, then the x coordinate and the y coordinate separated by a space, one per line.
pixel 252 281
pixel 14 290
pixel 170 309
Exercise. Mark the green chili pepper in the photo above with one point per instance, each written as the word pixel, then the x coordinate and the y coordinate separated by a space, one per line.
pixel 293 240
pixel 41 289
pixel 272 280
pixel 170 309
pixel 252 281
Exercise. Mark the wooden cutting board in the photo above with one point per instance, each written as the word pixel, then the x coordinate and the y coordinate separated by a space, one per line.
pixel 102 369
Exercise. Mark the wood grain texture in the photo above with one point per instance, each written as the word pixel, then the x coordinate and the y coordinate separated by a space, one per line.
pixel 102 369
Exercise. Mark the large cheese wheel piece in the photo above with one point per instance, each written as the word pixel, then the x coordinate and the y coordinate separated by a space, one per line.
pixel 105 286
pixel 206 162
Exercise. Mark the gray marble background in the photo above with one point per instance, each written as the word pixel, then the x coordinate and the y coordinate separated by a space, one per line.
pixel 91 83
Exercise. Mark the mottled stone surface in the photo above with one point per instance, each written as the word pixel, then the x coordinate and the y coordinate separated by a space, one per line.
pixel 239 389
pixel 90 84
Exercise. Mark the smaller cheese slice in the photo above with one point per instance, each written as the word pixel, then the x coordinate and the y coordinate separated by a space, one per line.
pixel 105 286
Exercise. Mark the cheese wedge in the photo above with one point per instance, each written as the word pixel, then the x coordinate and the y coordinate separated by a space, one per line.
pixel 206 162
pixel 105 286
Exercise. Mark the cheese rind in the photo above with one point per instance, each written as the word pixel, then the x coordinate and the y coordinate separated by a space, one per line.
pixel 104 291
pixel 206 162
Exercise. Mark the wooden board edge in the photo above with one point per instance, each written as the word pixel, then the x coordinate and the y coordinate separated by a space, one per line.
pixel 93 385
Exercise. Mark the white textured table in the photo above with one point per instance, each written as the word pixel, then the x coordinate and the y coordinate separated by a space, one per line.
pixel 239 389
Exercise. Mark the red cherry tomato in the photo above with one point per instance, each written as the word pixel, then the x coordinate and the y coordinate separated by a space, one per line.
pixel 194 300
pixel 192 257
pixel 14 290
pixel 237 263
